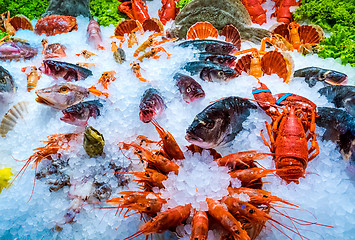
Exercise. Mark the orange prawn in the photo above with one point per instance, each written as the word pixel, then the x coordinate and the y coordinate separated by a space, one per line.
pixel 250 175
pixel 241 159
pixel 163 221
pixel 153 54
pixel 148 43
pixel 136 68
pixel 150 177
pixel 106 78
pixel 199 225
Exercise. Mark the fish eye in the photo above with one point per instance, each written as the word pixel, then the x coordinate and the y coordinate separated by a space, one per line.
pixel 63 89
pixel 188 89
pixel 220 73
pixel 56 67
pixel 210 125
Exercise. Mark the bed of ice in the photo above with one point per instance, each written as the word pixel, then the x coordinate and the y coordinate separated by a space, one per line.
pixel 325 196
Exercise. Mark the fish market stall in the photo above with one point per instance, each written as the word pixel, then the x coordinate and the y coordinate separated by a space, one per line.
pixel 131 130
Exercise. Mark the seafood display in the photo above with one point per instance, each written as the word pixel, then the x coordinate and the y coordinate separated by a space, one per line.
pixel 174 124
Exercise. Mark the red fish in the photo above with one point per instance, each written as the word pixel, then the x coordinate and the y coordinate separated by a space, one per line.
pixel 152 105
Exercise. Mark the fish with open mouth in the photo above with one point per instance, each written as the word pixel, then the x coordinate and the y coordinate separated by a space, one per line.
pixel 67 71
pixel 313 75
pixel 80 113
pixel 210 71
pixel 188 87
pixel 152 105
pixel 342 96
pixel 61 96
pixel 219 122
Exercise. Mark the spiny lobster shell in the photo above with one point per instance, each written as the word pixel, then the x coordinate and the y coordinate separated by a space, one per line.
pixel 232 35
pixel 202 30
pixel 56 24
pixel 21 22
pixel 126 26
pixel 153 24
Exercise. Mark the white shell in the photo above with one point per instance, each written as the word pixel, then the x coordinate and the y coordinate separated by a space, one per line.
pixel 10 119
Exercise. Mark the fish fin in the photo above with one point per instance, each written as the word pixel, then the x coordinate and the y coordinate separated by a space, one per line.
pixel 153 24
pixel 126 26
pixel 232 35
pixel 13 115
pixel 202 30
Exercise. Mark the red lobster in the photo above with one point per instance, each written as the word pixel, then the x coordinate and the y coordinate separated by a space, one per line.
pixel 135 9
pixel 256 12
pixel 282 10
pixel 287 132
pixel 168 11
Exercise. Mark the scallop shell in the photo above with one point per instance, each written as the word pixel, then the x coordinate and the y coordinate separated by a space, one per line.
pixel 10 119
pixel 21 22
pixel 153 24
pixel 202 30
pixel 281 29
pixel 310 34
pixel 232 35
pixel 126 26
pixel 243 64
pixel 274 62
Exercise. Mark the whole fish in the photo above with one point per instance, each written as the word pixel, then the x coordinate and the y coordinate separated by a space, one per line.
pixel 210 45
pixel 119 55
pixel 152 105
pixel 225 59
pixel 313 75
pixel 16 50
pixel 219 14
pixel 219 122
pixel 188 87
pixel 342 96
pixel 7 84
pixel 65 70
pixel 340 128
pixel 94 142
pixel 93 34
pixel 80 113
pixel 61 96
pixel 209 71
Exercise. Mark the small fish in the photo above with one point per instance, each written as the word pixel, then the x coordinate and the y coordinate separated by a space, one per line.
pixel 61 96
pixel 7 84
pixel 225 59
pixel 119 55
pixel 340 128
pixel 152 105
pixel 209 45
pixel 65 70
pixel 342 96
pixel 80 113
pixel 219 122
pixel 94 142
pixel 188 87
pixel 210 71
pixel 313 75
pixel 93 34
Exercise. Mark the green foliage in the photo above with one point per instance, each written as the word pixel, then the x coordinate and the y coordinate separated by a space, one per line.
pixel 3 34
pixel 106 11
pixel 337 17
pixel 182 3
pixel 29 8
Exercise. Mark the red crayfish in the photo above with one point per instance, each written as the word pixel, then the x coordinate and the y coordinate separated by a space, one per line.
pixel 135 9
pixel 282 10
pixel 168 11
pixel 289 132
pixel 256 12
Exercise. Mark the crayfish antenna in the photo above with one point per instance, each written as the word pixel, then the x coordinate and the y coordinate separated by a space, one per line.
pixel 137 234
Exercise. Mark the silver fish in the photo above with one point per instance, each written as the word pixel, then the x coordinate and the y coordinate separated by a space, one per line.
pixel 210 71
pixel 7 84
pixel 313 75
pixel 219 122
pixel 61 96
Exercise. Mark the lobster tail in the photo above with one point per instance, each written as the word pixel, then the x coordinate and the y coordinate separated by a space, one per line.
pixel 202 30
pixel 290 169
pixel 232 35
pixel 243 64
pixel 274 62
pixel 126 26
pixel 153 24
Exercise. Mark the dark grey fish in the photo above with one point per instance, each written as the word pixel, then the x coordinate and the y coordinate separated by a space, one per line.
pixel 65 70
pixel 188 87
pixel 73 8
pixel 313 75
pixel 219 122
pixel 219 13
pixel 342 96
pixel 7 84
pixel 210 45
pixel 152 105
pixel 225 59
pixel 119 55
pixel 340 128
pixel 80 113
pixel 209 71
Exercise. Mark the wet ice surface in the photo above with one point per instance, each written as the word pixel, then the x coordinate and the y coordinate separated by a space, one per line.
pixel 325 195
